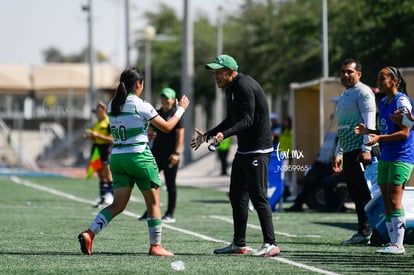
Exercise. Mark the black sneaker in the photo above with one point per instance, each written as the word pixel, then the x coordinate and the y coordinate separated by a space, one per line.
pixel 144 217
pixel 231 249
pixel 294 208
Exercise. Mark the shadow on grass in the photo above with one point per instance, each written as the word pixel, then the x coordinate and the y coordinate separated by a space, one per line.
pixel 344 225
pixel 361 262
pixel 59 253
pixel 212 201
pixel 64 253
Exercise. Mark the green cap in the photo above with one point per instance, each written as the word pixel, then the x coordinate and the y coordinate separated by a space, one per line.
pixel 223 61
pixel 168 93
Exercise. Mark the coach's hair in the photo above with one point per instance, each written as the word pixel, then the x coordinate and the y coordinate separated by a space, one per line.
pixel 127 82
pixel 347 61
pixel 396 74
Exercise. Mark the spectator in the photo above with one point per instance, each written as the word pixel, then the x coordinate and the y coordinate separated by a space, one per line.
pixel 276 129
pixel 222 152
pixel 286 146
pixel 320 174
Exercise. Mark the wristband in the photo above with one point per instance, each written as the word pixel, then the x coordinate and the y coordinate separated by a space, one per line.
pixel 180 111
pixel 176 153
pixel 407 122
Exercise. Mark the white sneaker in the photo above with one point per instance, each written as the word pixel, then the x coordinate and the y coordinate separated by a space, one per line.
pixel 393 249
pixel 267 250
pixel 168 219
pixel 100 203
pixel 109 198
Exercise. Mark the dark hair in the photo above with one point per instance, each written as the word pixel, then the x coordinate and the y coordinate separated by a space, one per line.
pixel 347 61
pixel 127 82
pixel 395 73
pixel 286 120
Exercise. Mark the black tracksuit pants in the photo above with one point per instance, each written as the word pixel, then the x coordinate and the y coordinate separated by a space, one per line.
pixel 357 188
pixel 249 179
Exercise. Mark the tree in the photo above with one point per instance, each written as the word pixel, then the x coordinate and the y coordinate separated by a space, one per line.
pixel 166 55
pixel 165 52
pixel 377 32
pixel 53 55
pixel 279 42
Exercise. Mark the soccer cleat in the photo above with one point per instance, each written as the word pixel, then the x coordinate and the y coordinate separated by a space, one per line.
pixel 357 239
pixel 393 249
pixel 144 217
pixel 85 239
pixel 231 249
pixel 267 250
pixel 158 250
pixel 168 219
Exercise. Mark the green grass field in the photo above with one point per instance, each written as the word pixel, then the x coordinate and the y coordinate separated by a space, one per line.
pixel 41 218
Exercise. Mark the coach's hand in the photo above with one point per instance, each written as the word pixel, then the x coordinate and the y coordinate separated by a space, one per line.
pixel 198 139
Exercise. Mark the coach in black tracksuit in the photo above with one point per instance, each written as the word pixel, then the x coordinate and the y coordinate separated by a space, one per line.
pixel 248 119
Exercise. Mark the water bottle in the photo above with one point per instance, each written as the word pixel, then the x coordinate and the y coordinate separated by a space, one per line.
pixel 371 174
pixel 177 265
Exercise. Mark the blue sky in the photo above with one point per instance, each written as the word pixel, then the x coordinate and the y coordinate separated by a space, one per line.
pixel 30 26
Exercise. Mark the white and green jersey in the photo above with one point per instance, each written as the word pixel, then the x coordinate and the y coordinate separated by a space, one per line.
pixel 356 105
pixel 129 129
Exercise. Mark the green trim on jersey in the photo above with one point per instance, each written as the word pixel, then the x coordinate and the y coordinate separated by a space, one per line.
pixel 129 145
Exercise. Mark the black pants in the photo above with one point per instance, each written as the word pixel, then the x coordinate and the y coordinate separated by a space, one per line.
pixel 357 188
pixel 170 175
pixel 249 179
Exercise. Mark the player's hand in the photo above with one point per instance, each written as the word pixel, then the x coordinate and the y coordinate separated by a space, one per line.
pixel 373 138
pixel 174 159
pixel 365 158
pixel 183 102
pixel 152 135
pixel 361 129
pixel 198 139
pixel 337 164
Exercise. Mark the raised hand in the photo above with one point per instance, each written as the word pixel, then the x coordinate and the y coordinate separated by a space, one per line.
pixel 198 139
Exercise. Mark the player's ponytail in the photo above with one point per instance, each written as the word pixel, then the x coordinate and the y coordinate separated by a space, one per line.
pixel 127 84
pixel 119 99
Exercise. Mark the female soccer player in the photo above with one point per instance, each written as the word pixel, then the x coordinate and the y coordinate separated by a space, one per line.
pixel 132 161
